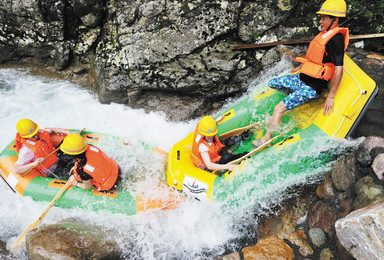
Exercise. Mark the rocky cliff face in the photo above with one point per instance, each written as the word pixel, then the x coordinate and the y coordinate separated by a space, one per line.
pixel 173 56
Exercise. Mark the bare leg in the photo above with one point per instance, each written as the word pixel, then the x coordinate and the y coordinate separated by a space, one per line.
pixel 277 115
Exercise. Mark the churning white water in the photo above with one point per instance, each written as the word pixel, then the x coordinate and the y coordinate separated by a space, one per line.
pixel 197 230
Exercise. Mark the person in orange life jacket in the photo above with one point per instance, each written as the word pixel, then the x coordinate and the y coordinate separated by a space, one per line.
pixel 92 166
pixel 33 145
pixel 323 64
pixel 207 149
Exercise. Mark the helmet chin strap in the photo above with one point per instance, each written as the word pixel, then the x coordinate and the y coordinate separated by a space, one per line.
pixel 333 20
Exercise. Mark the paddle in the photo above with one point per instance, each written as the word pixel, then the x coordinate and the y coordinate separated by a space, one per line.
pixel 36 223
pixel 238 131
pixel 46 157
pixel 252 152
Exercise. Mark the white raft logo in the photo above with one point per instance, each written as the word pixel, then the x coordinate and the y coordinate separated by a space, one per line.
pixel 196 188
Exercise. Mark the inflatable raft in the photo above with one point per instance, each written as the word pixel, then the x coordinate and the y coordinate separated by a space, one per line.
pixel 118 201
pixel 302 128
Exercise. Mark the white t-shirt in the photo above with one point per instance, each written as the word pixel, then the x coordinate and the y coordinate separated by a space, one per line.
pixel 26 155
pixel 203 148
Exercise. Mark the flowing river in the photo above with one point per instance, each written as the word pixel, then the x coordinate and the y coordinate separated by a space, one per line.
pixel 197 230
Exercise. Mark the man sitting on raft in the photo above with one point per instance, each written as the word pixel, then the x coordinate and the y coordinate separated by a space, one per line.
pixel 323 64
pixel 208 152
pixel 92 167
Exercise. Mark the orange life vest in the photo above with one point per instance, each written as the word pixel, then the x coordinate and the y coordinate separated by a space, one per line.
pixel 100 167
pixel 313 62
pixel 41 148
pixel 213 152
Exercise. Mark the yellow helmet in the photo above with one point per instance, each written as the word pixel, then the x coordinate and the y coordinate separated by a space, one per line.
pixel 337 8
pixel 73 144
pixel 207 126
pixel 27 128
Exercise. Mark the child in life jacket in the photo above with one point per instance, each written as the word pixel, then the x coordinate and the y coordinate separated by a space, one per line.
pixel 208 152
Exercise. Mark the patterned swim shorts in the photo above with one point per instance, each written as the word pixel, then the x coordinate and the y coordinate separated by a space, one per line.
pixel 301 92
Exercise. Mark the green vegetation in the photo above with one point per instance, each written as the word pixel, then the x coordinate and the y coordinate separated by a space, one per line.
pixel 257 35
pixel 371 12
pixel 222 86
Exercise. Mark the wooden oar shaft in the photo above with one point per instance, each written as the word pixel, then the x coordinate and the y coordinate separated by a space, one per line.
pixel 36 223
pixel 268 44
pixel 238 131
pixel 58 195
pixel 252 152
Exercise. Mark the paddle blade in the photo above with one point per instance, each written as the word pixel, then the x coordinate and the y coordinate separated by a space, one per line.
pixel 19 241
pixel 36 223
pixel 160 151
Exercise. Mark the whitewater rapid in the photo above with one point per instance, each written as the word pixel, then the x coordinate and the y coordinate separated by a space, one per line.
pixel 55 103
pixel 197 230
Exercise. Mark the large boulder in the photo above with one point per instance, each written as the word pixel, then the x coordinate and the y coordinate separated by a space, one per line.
pixel 152 48
pixel 71 239
pixel 160 55
pixel 362 232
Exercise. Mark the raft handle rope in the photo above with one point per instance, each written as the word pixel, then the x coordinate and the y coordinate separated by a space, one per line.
pixel 175 182
pixel 362 92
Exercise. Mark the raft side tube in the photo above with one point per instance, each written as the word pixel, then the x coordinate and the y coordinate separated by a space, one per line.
pixel 352 96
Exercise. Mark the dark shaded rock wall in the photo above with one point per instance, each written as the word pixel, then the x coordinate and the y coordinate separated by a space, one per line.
pixel 171 56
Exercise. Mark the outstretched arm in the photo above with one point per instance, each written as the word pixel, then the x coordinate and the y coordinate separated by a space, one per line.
pixel 215 166
pixel 329 102
pixel 60 131
pixel 21 168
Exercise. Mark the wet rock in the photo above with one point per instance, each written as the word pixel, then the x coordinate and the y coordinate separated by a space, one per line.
pixel 317 236
pixel 4 252
pixel 180 48
pixel 342 252
pixel 279 226
pixel 300 239
pixel 345 207
pixel 269 58
pixel 71 239
pixel 343 172
pixel 378 166
pixel 367 193
pixel 326 254
pixel 182 108
pixel 269 248
pixel 284 224
pixel 270 14
pixel 233 256
pixel 368 150
pixel 321 216
pixel 325 189
pixel 362 232
pixel 158 46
